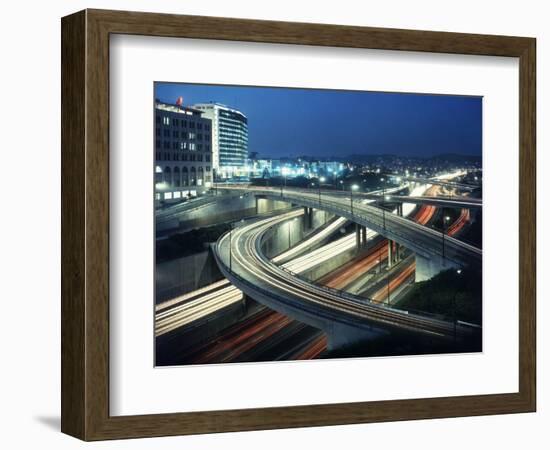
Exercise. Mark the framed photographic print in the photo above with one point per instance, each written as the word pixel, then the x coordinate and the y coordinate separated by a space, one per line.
pixel 270 224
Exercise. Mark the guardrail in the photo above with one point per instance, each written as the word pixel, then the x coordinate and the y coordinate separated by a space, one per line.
pixel 440 321
pixel 379 219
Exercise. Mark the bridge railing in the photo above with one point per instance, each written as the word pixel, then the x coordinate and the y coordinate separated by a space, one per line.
pixel 378 219
pixel 344 294
pixel 444 321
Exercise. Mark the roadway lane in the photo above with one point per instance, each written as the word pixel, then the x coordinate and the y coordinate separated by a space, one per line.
pixel 422 240
pixel 310 303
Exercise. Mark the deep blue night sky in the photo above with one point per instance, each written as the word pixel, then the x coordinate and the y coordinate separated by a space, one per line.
pixel 323 123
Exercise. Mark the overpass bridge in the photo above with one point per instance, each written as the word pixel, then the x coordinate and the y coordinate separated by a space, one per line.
pixel 345 318
pixel 434 250
pixel 441 182
pixel 439 201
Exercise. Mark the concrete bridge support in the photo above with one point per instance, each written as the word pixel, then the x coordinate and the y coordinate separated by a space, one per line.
pixel 308 218
pixel 360 237
pixel 391 253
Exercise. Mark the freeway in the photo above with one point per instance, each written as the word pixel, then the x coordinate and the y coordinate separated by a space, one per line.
pixel 315 305
pixel 197 305
pixel 442 182
pixel 440 201
pixel 420 239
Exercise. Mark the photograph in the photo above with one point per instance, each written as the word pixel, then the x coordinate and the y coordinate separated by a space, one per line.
pixel 297 224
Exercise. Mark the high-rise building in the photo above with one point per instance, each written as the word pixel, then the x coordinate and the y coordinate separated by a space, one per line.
pixel 229 139
pixel 183 152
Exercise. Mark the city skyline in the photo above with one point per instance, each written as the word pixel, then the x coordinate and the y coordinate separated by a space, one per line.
pixel 291 122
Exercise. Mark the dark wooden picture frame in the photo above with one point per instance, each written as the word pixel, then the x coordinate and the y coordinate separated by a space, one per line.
pixel 85 224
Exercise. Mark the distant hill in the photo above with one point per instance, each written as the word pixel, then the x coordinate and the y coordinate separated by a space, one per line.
pixel 445 157
pixel 455 158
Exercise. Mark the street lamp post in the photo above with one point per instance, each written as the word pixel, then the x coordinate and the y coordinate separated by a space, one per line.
pixel 215 182
pixel 388 291
pixel 289 233
pixel 443 233
pixel 458 271
pixel 321 180
pixel 352 188
pixel 381 207
pixel 230 252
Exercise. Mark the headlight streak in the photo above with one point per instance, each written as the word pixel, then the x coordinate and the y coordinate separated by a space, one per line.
pixel 190 311
pixel 277 279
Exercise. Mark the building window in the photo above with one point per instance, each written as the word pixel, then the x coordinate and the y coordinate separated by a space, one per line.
pixel 199 157
pixel 166 120
pixel 166 133
pixel 200 147
pixel 167 175
pixel 157 120
pixel 207 158
pixel 192 146
pixel 192 136
pixel 208 168
pixel 183 145
pixel 191 124
pixel 157 132
pixel 199 136
pixel 184 177
pixel 166 144
pixel 176 134
pixel 199 126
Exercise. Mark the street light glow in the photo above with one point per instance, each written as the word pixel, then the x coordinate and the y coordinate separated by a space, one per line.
pixel 355 187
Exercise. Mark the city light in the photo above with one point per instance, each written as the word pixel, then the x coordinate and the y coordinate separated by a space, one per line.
pixel 326 205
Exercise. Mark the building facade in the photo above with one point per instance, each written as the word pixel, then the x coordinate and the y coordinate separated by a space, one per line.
pixel 183 152
pixel 229 139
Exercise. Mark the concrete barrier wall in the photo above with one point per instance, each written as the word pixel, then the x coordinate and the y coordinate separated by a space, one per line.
pixel 226 209
pixel 186 274
pixel 330 265
pixel 292 232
